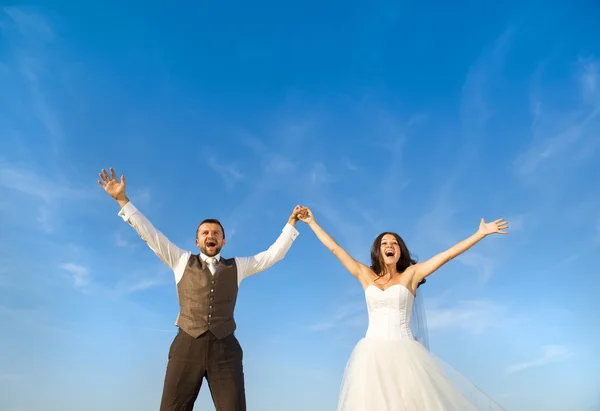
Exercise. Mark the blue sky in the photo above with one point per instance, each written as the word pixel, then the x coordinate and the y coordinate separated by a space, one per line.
pixel 418 118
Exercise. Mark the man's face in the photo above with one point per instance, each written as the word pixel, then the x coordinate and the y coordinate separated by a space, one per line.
pixel 210 239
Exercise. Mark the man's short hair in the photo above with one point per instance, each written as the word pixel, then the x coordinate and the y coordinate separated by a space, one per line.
pixel 210 221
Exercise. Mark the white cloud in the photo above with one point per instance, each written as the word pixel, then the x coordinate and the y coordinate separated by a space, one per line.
pixel 38 318
pixel 30 24
pixel 482 264
pixel 470 316
pixel 145 281
pixel 348 315
pixel 49 197
pixel 136 280
pixel 555 144
pixel 563 139
pixel 550 354
pixel 352 234
pixel 30 33
pixel 274 160
pixel 142 284
pixel 80 274
pixel 27 181
pixel 475 110
pixel 518 222
pixel 228 172
pixel 120 241
pixel 49 193
pixel 140 195
pixel 349 164
pixel 589 77
pixel 319 174
pixel 45 220
pixel 433 226
pixel 279 164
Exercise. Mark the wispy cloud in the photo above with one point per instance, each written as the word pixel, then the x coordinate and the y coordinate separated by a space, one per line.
pixel 44 218
pixel 433 225
pixel 589 79
pixel 434 229
pixel 349 164
pixel 142 284
pixel 142 196
pixel 29 34
pixel 558 134
pixel 153 277
pixel 38 318
pixel 483 265
pixel 319 174
pixel 390 135
pixel 48 193
pixel 470 316
pixel 28 181
pixel 352 232
pixel 475 99
pixel 348 315
pixel 550 354
pixel 120 241
pixel 30 24
pixel 79 275
pixel 228 172
pixel 274 159
pixel 279 164
pixel 556 144
pixel 518 222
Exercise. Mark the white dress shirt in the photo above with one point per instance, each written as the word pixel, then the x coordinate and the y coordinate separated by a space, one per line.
pixel 177 258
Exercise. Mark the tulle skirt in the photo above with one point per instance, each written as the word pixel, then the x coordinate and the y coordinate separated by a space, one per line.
pixel 404 376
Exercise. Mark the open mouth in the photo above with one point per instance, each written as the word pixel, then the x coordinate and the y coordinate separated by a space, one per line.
pixel 389 253
pixel 211 244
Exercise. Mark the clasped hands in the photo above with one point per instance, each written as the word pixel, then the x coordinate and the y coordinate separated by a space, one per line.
pixel 301 213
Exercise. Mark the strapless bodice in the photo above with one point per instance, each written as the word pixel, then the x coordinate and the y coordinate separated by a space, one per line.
pixel 390 312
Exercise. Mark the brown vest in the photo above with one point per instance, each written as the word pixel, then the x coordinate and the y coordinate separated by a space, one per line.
pixel 207 301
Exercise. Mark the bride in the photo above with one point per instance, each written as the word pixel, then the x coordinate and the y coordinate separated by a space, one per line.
pixel 389 370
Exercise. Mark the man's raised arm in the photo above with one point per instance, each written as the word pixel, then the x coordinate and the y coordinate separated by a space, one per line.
pixel 168 252
pixel 248 266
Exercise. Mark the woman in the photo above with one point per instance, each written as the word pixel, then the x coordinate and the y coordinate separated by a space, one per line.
pixel 389 370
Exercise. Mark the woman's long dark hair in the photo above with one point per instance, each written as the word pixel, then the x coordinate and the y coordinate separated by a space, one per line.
pixel 405 261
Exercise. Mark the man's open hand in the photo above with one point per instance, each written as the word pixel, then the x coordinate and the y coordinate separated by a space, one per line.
pixel 115 188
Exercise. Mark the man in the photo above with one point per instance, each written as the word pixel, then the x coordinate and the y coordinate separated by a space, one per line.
pixel 207 287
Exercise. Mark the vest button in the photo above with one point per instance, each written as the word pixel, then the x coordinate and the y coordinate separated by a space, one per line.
pixel 211 290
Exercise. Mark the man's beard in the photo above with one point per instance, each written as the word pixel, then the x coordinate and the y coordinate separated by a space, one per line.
pixel 216 250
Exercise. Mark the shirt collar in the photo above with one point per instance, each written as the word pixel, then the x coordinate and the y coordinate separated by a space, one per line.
pixel 204 257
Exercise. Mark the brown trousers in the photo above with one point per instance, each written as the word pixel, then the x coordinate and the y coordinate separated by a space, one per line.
pixel 193 359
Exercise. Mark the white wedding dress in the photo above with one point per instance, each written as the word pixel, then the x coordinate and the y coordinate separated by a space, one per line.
pixel 389 370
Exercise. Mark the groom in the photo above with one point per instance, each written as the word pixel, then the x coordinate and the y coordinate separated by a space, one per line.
pixel 207 288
